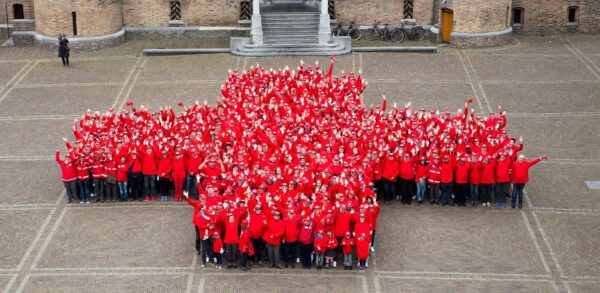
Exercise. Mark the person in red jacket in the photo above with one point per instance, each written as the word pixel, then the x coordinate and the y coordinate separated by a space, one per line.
pixel 217 248
pixel 462 181
pixel 136 180
pixel 503 169
pixel 421 175
pixel 149 167
pixel 99 177
pixel 69 176
pixel 347 244
pixel 330 252
pixel 179 175
pixel 197 218
pixel 83 180
pixel 474 179
pixel 447 167
pixel 306 239
pixel 245 246
pixel 433 181
pixel 389 176
pixel 520 177
pixel 258 226
pixel 231 240
pixel 165 167
pixel 488 171
pixel 320 244
pixel 290 238
pixel 122 176
pixel 272 237
pixel 407 178
pixel 362 250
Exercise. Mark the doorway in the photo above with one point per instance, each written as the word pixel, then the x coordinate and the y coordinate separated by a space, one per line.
pixel 18 12
pixel 446 26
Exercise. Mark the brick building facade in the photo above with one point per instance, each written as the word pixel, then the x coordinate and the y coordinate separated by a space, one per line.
pixel 471 18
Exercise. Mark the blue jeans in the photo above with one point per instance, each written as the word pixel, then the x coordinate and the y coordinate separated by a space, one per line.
pixel 517 194
pixel 84 191
pixel 486 189
pixel 123 189
pixel 191 186
pixel 390 189
pixel 150 185
pixel 446 192
pixel 474 193
pixel 420 190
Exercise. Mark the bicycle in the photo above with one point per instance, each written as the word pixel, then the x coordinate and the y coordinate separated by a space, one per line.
pixel 353 31
pixel 376 32
pixel 415 33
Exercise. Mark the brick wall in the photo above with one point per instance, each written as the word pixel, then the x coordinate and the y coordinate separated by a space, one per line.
pixel 156 13
pixel 94 17
pixel 550 16
pixel 477 16
pixel 27 9
pixel 386 11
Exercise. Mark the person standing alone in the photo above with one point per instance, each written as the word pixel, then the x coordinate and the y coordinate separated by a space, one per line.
pixel 63 49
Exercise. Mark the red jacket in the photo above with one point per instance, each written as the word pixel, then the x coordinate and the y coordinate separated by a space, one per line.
pixel 98 169
pixel 197 205
pixel 462 173
pixel 488 172
pixel 475 175
pixel 178 169
pixel 245 245
pixel 231 231
pixel 217 245
pixel 321 244
pixel 362 246
pixel 342 223
pixel 83 171
pixel 347 244
pixel 422 172
pixel 448 171
pixel 332 243
pixel 257 225
pixel 292 229
pixel 407 169
pixel 275 230
pixel 390 169
pixel 122 171
pixel 149 163
pixel 68 171
pixel 111 168
pixel 164 167
pixel 503 169
pixel 521 170
pixel 435 174
pixel 306 234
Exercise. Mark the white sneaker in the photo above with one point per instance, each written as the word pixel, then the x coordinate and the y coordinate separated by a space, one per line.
pixel 372 249
pixel 489 205
pixel 334 263
pixel 297 260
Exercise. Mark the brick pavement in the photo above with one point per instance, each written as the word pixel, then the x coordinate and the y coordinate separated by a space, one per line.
pixel 549 86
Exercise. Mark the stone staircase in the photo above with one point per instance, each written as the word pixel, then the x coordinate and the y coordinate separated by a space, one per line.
pixel 290 30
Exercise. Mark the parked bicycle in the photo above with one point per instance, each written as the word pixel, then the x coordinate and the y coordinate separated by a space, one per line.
pixel 378 32
pixel 414 33
pixel 353 31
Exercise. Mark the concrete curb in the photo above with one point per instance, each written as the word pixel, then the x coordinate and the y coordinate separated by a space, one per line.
pixel 426 49
pixel 190 51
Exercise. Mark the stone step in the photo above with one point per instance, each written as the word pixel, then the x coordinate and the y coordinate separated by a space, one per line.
pixel 290 36
pixel 291 30
pixel 293 47
pixel 264 17
pixel 290 23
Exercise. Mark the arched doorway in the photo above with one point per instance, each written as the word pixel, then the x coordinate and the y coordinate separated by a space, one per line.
pixel 18 12
pixel 446 25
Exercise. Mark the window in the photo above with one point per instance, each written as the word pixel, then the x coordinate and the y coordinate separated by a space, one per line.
pixel 518 14
pixel 74 20
pixel 408 9
pixel 573 11
pixel 175 10
pixel 18 12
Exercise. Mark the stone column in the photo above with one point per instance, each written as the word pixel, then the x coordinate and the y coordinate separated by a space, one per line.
pixel 324 24
pixel 256 32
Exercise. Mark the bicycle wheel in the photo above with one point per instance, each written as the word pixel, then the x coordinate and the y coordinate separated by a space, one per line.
pixel 370 35
pixel 355 34
pixel 398 36
pixel 418 34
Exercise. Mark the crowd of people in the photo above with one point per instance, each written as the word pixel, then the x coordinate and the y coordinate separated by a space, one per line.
pixel 289 164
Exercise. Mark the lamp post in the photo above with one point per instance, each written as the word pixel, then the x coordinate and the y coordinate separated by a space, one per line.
pixel 7 26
